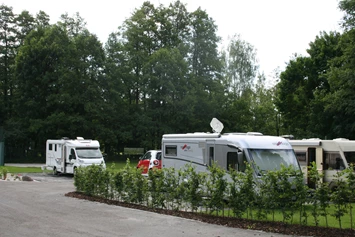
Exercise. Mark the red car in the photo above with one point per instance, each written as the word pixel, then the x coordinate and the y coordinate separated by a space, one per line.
pixel 150 160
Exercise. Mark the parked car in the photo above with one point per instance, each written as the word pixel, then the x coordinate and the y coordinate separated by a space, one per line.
pixel 150 160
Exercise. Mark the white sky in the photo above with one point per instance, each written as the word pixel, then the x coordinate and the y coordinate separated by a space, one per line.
pixel 276 28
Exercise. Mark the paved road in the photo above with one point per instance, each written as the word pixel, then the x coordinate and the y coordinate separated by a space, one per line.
pixel 39 208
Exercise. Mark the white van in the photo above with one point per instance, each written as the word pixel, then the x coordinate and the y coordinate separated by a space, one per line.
pixel 65 155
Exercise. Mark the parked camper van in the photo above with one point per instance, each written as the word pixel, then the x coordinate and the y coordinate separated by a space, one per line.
pixel 65 155
pixel 150 160
pixel 227 150
pixel 330 156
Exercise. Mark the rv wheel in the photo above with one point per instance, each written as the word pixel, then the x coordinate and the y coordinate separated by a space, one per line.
pixel 55 172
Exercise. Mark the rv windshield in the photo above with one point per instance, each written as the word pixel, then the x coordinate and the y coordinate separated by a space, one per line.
pixel 92 153
pixel 270 160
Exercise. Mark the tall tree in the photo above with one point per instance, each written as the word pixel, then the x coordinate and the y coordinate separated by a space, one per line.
pixel 241 66
pixel 26 22
pixel 169 98
pixel 60 83
pixel 117 96
pixel 348 7
pixel 8 45
pixel 140 42
pixel 42 19
pixel 339 102
pixel 263 109
pixel 303 85
pixel 205 70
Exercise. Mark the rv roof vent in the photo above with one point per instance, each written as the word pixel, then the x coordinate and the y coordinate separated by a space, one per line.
pixel 216 125
pixel 289 137
pixel 255 133
pixel 79 138
pixel 65 138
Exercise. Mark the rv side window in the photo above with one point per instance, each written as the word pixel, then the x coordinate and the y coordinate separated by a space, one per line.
pixel 55 147
pixel 333 161
pixel 301 157
pixel 350 157
pixel 211 156
pixel 50 147
pixel 234 163
pixel 171 150
pixel 232 160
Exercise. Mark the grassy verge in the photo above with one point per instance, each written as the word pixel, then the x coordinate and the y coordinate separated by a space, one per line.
pixel 295 218
pixel 117 165
pixel 112 166
pixel 15 169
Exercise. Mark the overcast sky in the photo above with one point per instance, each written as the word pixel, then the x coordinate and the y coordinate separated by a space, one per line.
pixel 276 28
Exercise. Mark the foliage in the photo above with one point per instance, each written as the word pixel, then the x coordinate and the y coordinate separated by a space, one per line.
pixel 216 186
pixel 92 180
pixel 340 198
pixel 156 188
pixel 149 79
pixel 321 193
pixel 237 198
pixel 350 176
pixel 4 172
pixel 304 84
pixel 172 189
pixel 276 195
pixel 194 186
pixel 152 79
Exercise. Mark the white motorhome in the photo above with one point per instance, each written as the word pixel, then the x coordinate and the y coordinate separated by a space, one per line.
pixel 330 156
pixel 65 155
pixel 227 150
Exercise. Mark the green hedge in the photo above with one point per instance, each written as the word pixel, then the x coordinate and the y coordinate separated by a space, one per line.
pixel 228 194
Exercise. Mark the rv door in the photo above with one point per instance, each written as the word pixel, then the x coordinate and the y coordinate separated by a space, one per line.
pixel 63 158
pixel 210 153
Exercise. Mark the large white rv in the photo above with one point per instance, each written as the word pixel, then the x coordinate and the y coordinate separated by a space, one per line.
pixel 227 150
pixel 330 156
pixel 65 155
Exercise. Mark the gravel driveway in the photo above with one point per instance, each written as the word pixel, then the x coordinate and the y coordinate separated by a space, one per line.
pixel 39 208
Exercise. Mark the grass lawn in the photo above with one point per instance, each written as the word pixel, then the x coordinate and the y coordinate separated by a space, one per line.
pixel 332 221
pixel 117 165
pixel 19 170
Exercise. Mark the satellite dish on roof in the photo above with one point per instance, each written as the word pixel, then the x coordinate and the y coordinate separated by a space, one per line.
pixel 216 125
